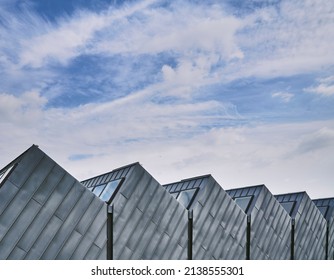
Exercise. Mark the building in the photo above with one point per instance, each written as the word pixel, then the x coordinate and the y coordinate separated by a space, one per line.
pixel 219 225
pixel 308 226
pixel 147 222
pixel 326 207
pixel 268 224
pixel 45 213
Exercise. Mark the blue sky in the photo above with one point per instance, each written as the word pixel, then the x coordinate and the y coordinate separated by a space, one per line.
pixel 243 90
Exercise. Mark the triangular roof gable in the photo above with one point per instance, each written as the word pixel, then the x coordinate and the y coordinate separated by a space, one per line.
pixel 326 207
pixel 107 185
pixel 246 197
pixel 186 190
pixel 291 202
pixel 5 171
pixel 44 207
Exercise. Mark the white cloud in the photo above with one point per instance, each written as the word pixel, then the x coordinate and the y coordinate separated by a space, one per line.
pixel 61 43
pixel 284 96
pixel 171 143
pixel 294 38
pixel 22 110
pixel 176 139
pixel 325 87
pixel 312 142
pixel 207 45
pixel 37 41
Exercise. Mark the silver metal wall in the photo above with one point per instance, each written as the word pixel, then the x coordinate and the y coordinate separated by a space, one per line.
pixel 46 214
pixel 310 227
pixel 148 222
pixel 269 222
pixel 326 207
pixel 219 227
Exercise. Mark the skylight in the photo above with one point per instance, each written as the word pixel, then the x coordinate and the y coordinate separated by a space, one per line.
pixel 288 206
pixel 107 191
pixel 244 202
pixel 4 173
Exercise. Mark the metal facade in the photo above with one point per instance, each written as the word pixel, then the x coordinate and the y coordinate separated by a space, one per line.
pixel 148 222
pixel 46 214
pixel 219 224
pixel 309 226
pixel 269 223
pixel 326 207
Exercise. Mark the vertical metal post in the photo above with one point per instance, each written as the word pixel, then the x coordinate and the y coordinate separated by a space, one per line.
pixel 248 238
pixel 110 232
pixel 292 239
pixel 327 240
pixel 190 234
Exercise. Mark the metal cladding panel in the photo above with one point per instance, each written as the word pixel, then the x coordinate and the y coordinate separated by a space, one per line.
pixel 37 213
pixel 107 177
pixel 68 227
pixel 310 238
pixel 326 206
pixel 7 192
pixel 331 239
pixel 268 220
pixel 147 219
pixel 97 226
pixel 310 227
pixel 45 215
pixel 219 224
pixel 270 224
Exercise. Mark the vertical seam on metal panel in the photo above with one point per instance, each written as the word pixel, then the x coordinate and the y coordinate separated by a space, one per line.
pixel 62 245
pixel 29 199
pixel 97 231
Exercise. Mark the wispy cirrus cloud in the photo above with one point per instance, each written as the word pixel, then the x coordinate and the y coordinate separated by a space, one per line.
pixel 284 96
pixel 185 86
pixel 286 39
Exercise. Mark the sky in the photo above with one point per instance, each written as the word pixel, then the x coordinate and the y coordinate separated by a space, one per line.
pixel 242 90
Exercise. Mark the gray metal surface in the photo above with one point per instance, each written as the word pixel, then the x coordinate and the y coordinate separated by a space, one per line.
pixel 310 227
pixel 44 212
pixel 326 207
pixel 148 222
pixel 219 224
pixel 270 224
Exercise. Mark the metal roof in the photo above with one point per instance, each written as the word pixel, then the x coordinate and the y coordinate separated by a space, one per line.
pixel 46 214
pixel 326 207
pixel 148 222
pixel 219 224
pixel 291 202
pixel 267 218
pixel 115 174
pixel 309 224
pixel 250 192
pixel 186 191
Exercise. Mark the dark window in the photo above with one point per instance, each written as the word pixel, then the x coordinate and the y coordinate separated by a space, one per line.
pixel 323 210
pixel 4 173
pixel 244 202
pixel 288 206
pixel 109 190
pixel 186 197
pixel 98 189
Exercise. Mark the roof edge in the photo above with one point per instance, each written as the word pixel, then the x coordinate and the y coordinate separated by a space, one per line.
pixel 18 157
